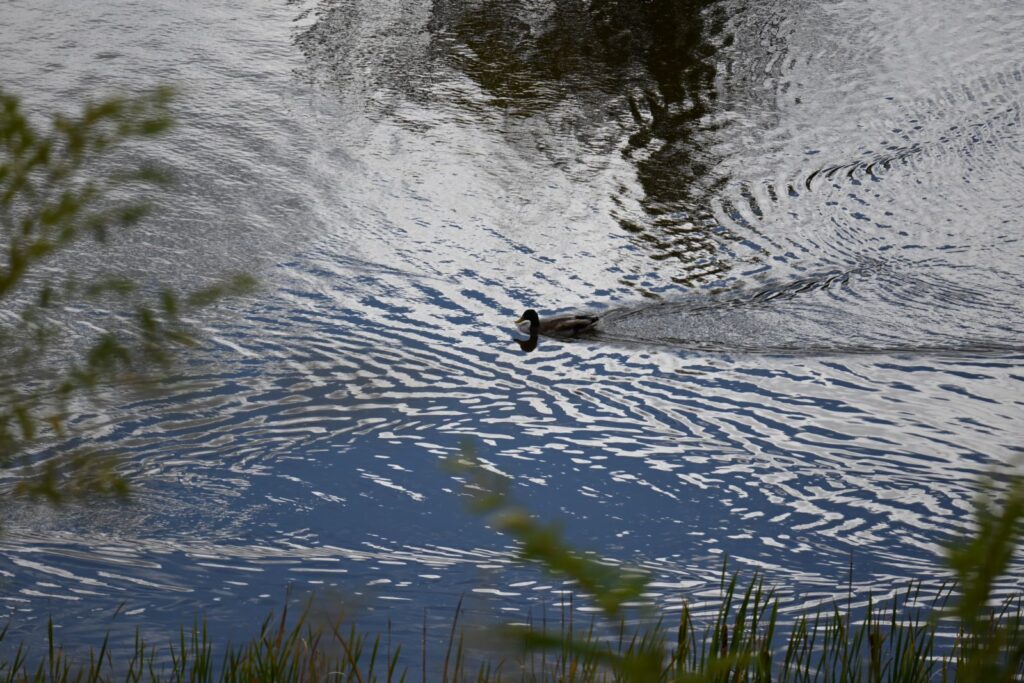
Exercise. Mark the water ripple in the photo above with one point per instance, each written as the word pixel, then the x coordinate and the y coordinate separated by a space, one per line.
pixel 806 263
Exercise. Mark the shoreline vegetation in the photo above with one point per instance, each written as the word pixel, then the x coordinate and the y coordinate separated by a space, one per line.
pixel 963 635
pixel 55 186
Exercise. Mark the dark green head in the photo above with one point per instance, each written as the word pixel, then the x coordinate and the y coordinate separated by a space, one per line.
pixel 529 322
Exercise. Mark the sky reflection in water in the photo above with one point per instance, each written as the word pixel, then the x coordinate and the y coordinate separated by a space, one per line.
pixel 805 247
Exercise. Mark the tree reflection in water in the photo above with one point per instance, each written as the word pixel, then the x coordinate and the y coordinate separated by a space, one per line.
pixel 587 85
pixel 645 68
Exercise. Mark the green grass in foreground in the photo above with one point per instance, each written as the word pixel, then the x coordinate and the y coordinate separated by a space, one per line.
pixel 898 641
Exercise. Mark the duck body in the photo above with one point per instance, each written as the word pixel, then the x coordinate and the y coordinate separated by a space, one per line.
pixel 561 326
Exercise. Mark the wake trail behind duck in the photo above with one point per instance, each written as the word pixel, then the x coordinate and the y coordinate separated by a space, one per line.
pixel 867 310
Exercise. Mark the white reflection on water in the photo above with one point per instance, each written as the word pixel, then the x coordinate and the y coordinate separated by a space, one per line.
pixel 403 217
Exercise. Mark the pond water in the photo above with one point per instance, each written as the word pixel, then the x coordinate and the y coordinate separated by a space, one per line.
pixel 801 222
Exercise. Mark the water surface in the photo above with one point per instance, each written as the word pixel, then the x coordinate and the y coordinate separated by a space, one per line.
pixel 801 222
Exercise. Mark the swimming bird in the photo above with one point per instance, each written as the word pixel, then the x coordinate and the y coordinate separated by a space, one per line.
pixel 562 326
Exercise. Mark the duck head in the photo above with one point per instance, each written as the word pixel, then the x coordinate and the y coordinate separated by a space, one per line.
pixel 529 322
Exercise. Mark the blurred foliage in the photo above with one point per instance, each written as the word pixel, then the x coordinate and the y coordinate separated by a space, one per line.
pixel 736 638
pixel 65 191
pixel 611 587
pixel 642 656
pixel 743 642
pixel 991 632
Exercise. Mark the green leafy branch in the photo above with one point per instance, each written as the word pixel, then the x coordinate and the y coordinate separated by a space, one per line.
pixel 59 188
pixel 991 639
pixel 740 645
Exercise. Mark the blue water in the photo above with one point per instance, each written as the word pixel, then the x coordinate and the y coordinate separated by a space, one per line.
pixel 804 236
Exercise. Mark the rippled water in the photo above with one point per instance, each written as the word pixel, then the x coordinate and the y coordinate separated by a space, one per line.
pixel 800 222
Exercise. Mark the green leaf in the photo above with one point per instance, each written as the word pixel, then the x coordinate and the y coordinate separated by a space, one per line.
pixel 56 186
pixel 25 422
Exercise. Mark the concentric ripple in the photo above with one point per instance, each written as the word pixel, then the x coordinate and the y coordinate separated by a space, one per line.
pixel 805 248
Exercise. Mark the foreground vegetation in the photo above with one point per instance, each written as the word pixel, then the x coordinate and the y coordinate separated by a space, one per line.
pixel 68 190
pixel 55 190
pixel 963 636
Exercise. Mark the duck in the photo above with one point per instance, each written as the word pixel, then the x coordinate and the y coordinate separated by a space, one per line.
pixel 562 326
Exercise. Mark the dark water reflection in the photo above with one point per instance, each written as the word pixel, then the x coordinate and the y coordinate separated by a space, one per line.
pixel 620 78
pixel 800 223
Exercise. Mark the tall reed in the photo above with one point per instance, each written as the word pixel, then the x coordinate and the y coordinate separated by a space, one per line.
pixel 963 634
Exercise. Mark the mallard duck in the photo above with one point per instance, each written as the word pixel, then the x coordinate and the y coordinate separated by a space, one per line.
pixel 563 326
